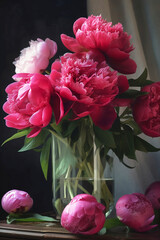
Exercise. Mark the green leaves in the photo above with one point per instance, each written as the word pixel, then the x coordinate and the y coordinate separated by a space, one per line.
pixel 142 145
pixel 132 93
pixel 141 81
pixel 44 157
pixel 62 155
pixel 28 217
pixel 66 127
pixel 112 223
pixel 127 143
pixel 17 135
pixel 32 143
pixel 104 137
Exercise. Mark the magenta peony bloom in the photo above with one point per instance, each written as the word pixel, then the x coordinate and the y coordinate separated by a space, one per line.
pixel 136 211
pixel 28 103
pixel 146 110
pixel 96 33
pixel 153 194
pixel 85 83
pixel 16 201
pixel 35 58
pixel 83 215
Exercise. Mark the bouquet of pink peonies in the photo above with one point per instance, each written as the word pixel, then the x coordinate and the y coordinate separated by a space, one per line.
pixel 85 95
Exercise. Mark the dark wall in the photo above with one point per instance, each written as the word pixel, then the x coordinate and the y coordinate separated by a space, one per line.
pixel 21 21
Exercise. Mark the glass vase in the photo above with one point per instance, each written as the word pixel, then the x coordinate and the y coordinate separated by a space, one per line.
pixel 79 167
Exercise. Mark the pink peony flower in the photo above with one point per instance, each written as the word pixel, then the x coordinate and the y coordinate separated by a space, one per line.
pixel 136 211
pixel 28 102
pixel 85 83
pixel 83 215
pixel 16 201
pixel 153 194
pixel 35 58
pixel 96 33
pixel 146 110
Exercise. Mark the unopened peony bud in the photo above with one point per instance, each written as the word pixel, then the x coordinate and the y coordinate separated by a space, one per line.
pixel 136 211
pixel 16 201
pixel 83 215
pixel 153 194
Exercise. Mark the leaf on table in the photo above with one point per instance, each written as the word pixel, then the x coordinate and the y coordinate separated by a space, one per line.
pixel 29 217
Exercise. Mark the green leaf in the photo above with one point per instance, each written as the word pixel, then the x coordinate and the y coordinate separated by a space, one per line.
pixel 119 151
pixel 44 157
pixel 105 137
pixel 35 142
pixel 112 223
pixel 132 93
pixel 128 141
pixel 19 134
pixel 141 81
pixel 70 127
pixel 157 217
pixel 63 156
pixel 102 231
pixel 65 127
pixel 142 145
pixel 125 144
pixel 28 217
pixel 134 126
pixel 59 206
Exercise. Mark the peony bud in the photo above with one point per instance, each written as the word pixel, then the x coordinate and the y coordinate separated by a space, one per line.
pixel 16 201
pixel 153 194
pixel 83 215
pixel 136 211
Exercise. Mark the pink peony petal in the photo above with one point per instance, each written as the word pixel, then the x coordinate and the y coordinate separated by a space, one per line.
pixel 17 121
pixel 104 117
pixel 36 118
pixel 71 43
pixel 127 66
pixel 153 194
pixel 52 47
pixel 77 24
pixel 35 131
pixel 123 84
pixel 117 54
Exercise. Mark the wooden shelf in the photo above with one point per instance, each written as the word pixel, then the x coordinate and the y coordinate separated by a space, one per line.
pixel 47 230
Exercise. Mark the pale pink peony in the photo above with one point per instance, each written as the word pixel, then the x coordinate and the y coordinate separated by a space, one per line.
pixel 96 33
pixel 83 215
pixel 85 83
pixel 146 110
pixel 35 58
pixel 136 211
pixel 28 102
pixel 153 194
pixel 16 201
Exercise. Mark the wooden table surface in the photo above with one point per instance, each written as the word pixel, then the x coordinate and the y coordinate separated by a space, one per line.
pixel 48 230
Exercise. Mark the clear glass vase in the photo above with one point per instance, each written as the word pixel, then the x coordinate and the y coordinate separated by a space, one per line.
pixel 79 168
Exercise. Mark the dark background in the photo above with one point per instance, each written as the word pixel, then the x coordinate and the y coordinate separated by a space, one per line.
pixel 21 21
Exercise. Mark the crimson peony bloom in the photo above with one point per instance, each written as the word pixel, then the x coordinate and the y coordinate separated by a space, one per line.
pixel 28 102
pixel 35 58
pixel 83 215
pixel 96 33
pixel 136 211
pixel 16 201
pixel 85 83
pixel 153 194
pixel 146 110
